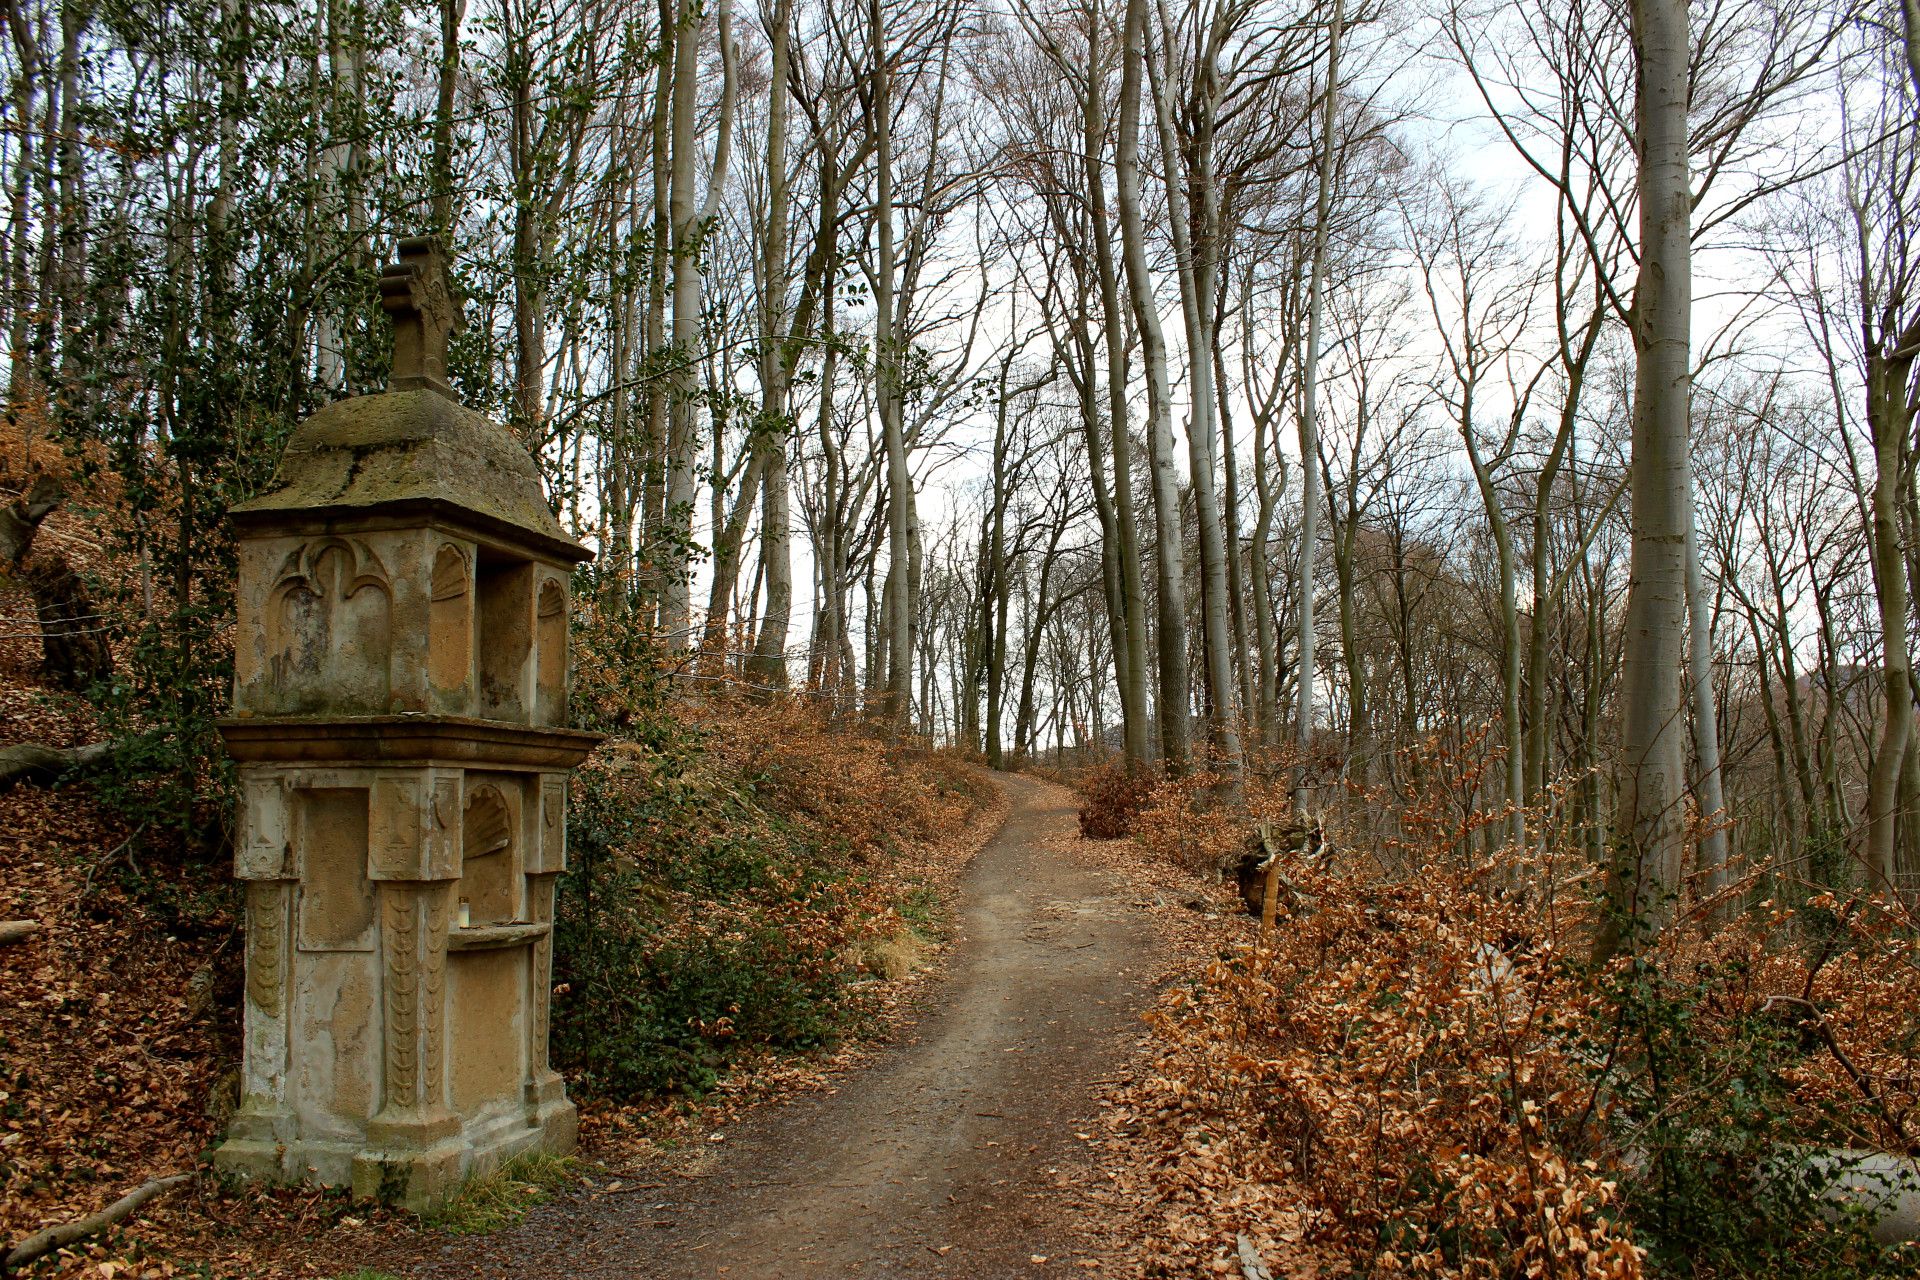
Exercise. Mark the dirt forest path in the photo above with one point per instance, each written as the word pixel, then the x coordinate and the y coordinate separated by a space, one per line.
pixel 952 1154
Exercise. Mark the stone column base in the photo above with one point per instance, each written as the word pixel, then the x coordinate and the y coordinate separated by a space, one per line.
pixel 413 1179
pixel 267 1159
pixel 262 1161
pixel 559 1126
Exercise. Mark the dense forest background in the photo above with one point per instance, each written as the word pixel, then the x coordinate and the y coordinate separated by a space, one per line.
pixel 989 368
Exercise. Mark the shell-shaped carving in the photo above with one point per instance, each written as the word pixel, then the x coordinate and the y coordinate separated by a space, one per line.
pixel 449 573
pixel 488 827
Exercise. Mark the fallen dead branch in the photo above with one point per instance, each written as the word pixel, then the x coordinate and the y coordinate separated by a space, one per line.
pixel 42 1243
pixel 32 762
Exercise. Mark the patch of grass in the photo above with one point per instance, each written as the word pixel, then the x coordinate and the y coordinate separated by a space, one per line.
pixel 499 1199
pixel 895 956
pixel 920 908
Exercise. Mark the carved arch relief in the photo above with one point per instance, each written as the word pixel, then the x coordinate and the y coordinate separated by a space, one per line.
pixel 550 679
pixel 450 626
pixel 330 628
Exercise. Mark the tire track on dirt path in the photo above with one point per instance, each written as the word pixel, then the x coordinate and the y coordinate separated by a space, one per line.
pixel 944 1157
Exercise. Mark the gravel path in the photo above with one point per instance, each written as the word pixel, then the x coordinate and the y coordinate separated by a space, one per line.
pixel 951 1155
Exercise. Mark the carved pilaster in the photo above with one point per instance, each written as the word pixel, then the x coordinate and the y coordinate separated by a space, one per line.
pixel 413 922
pixel 264 1068
pixel 540 983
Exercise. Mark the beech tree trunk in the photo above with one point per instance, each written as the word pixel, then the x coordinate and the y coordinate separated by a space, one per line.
pixel 1133 631
pixel 1309 419
pixel 897 706
pixel 768 665
pixel 1196 253
pixel 1644 875
pixel 440 166
pixel 1706 719
pixel 1887 421
pixel 690 220
pixel 1170 576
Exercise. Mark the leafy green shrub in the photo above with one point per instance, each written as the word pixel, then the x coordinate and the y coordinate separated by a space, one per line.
pixel 694 924
pixel 1701 1083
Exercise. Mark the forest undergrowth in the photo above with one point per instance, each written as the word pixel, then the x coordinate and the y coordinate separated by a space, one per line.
pixel 1418 1073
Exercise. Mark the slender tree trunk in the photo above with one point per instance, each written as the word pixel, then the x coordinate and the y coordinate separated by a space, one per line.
pixel 1706 718
pixel 1509 640
pixel 898 707
pixel 1910 38
pixel 1175 735
pixel 1309 418
pixel 658 555
pixel 1266 634
pixel 682 465
pixel 1133 669
pixel 1197 256
pixel 769 664
pixel 1236 574
pixel 1886 418
pixel 690 219
pixel 1645 873
pixel 345 52
pixel 440 165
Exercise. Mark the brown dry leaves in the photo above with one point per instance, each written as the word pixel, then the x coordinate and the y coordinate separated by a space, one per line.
pixel 1395 1084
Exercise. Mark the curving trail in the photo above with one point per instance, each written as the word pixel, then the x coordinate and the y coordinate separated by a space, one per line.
pixel 948 1156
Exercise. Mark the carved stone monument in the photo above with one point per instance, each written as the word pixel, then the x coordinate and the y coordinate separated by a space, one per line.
pixel 399 720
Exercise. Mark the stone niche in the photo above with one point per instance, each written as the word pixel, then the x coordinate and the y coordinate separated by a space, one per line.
pixel 399 721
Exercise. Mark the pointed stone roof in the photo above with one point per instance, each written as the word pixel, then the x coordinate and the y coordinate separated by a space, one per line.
pixel 414 449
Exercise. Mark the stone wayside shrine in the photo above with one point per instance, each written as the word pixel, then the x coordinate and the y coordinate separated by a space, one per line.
pixel 399 720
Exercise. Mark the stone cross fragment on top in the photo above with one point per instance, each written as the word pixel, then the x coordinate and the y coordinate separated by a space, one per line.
pixel 418 295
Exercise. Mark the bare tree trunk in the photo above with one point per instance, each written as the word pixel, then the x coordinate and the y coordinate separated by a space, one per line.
pixel 1196 251
pixel 657 554
pixel 1133 670
pixel 1230 514
pixel 1645 873
pixel 1175 735
pixel 1548 588
pixel 898 709
pixel 1509 639
pixel 676 608
pixel 1910 38
pixel 1266 634
pixel 768 666
pixel 1309 418
pixel 1706 719
pixel 440 166
pixel 1886 418
pixel 346 60
pixel 690 221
